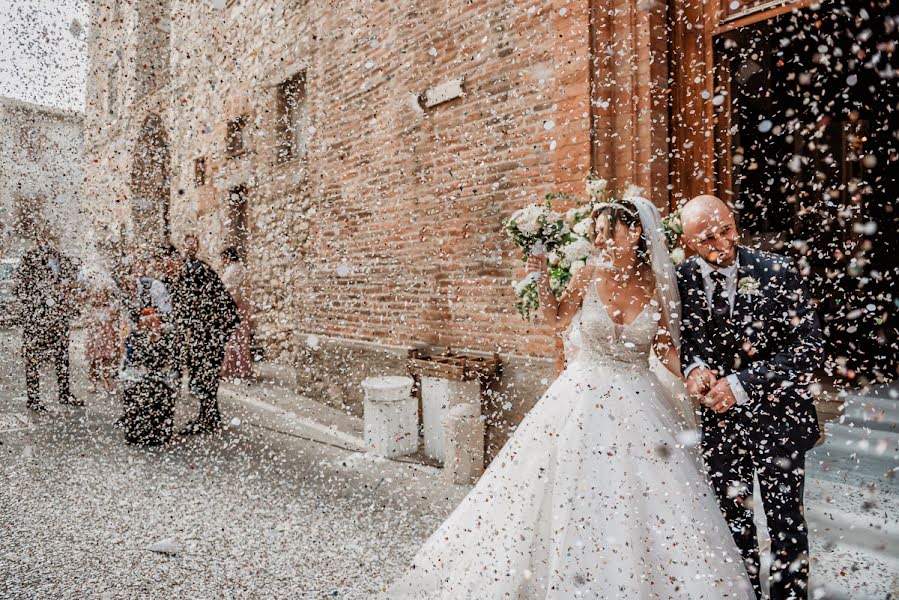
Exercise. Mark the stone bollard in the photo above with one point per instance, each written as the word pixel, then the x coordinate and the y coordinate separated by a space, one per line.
pixel 438 396
pixel 391 416
pixel 463 443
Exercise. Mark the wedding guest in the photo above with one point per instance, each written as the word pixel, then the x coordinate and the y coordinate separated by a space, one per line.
pixel 238 357
pixel 149 369
pixel 45 283
pixel 204 315
pixel 103 350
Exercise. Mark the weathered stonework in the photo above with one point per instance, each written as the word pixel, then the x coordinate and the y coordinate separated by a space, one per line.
pixel 40 177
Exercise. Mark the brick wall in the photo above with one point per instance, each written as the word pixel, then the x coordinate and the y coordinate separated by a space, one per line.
pixel 387 235
pixel 389 231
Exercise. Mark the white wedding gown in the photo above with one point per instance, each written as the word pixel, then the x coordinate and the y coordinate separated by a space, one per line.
pixel 594 496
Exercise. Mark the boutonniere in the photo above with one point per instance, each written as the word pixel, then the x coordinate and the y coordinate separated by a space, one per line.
pixel 748 286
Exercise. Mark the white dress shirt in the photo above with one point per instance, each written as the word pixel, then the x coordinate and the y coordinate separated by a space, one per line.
pixel 730 289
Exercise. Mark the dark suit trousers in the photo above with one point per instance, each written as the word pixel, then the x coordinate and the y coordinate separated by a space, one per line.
pixel 732 460
pixel 35 350
pixel 204 365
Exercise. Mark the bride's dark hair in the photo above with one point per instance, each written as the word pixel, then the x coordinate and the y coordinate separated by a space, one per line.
pixel 626 213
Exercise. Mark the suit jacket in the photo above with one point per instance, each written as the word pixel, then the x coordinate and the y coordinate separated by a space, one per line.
pixel 45 296
pixel 204 311
pixel 772 342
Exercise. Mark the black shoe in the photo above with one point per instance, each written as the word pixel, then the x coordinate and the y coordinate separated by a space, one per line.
pixel 70 400
pixel 36 407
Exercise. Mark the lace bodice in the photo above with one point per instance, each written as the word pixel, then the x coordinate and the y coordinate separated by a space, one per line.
pixel 593 335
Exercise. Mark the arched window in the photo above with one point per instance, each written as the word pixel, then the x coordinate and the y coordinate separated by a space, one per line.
pixel 150 183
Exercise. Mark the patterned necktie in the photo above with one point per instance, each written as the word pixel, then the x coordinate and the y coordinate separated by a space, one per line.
pixel 720 301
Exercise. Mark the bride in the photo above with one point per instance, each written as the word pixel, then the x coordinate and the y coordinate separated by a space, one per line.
pixel 598 494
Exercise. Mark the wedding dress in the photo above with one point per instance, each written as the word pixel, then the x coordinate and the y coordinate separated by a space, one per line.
pixel 599 493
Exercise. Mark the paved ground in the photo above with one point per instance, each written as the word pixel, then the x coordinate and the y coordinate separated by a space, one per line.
pixel 251 514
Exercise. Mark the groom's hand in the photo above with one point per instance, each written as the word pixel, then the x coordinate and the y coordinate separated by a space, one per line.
pixel 720 398
pixel 700 381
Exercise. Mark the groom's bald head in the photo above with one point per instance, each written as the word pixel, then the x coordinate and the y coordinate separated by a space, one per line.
pixel 710 229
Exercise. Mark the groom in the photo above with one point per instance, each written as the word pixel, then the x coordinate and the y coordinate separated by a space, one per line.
pixel 749 344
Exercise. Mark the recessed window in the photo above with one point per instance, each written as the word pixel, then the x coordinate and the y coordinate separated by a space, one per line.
pixel 236 142
pixel 238 230
pixel 293 118
pixel 200 171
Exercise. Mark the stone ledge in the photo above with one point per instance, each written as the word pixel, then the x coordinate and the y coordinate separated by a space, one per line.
pixel 283 411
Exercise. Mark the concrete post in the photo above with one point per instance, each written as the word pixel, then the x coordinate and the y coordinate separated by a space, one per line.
pixel 390 416
pixel 463 443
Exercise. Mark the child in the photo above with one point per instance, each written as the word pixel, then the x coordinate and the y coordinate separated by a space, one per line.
pixel 104 343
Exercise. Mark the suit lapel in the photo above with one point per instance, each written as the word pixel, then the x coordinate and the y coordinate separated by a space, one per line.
pixel 699 285
pixel 700 303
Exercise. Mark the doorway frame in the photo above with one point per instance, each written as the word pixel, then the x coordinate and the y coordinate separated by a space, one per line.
pixel 700 153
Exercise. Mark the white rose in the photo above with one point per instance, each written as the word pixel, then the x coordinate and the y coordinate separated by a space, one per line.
pixel 595 187
pixel 583 227
pixel 577 250
pixel 551 219
pixel 678 256
pixel 522 285
pixel 577 266
pixel 528 219
pixel 748 286
pixel 574 216
pixel 553 258
pixel 554 283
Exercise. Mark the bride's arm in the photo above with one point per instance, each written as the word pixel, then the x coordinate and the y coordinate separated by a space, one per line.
pixel 665 350
pixel 559 312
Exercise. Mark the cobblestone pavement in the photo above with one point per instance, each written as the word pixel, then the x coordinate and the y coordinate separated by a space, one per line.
pixel 246 513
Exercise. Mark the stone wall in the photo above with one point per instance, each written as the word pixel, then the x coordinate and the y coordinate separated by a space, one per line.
pixel 127 89
pixel 41 176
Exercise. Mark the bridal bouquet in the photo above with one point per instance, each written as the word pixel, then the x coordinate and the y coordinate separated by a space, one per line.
pixel 561 237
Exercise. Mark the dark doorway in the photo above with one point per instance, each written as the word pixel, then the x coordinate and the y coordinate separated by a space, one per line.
pixel 807 138
pixel 237 220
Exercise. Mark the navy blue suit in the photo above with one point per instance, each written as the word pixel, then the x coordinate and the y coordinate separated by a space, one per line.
pixel 772 342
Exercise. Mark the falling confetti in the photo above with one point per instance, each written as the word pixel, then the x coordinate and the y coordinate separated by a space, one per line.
pixel 228 225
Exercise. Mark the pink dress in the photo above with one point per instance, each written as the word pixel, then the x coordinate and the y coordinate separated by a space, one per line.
pixel 103 339
pixel 238 357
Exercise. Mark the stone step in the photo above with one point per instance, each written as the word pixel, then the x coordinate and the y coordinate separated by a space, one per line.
pixel 867 443
pixel 873 412
pixel 841 463
pixel 281 375
pixel 873 421
pixel 849 544
pixel 882 398
pixel 840 572
pixel 886 391
pixel 279 409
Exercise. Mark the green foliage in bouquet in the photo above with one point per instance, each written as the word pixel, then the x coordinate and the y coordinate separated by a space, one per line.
pixel 562 239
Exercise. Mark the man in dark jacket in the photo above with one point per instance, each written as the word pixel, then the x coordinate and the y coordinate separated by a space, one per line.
pixel 44 288
pixel 750 341
pixel 204 315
